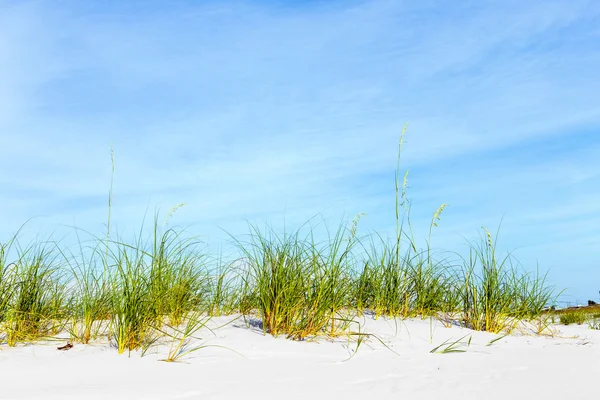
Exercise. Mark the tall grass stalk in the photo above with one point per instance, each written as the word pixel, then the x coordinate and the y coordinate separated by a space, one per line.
pixel 110 195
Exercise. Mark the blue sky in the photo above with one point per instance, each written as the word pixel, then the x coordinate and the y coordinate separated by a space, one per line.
pixel 273 111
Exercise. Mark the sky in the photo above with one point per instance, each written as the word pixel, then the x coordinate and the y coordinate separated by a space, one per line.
pixel 274 112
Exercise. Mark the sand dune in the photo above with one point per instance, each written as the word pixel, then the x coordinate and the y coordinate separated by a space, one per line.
pixel 251 365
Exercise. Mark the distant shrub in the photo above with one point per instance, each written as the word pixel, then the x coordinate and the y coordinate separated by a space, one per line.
pixel 575 317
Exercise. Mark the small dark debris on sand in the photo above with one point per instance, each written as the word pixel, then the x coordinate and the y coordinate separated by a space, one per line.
pixel 66 347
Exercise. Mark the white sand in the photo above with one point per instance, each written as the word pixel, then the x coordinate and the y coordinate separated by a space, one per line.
pixel 520 366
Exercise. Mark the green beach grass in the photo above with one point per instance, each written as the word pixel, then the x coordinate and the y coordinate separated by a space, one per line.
pixel 133 293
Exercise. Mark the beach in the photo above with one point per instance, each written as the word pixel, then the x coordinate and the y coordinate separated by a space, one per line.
pixel 240 362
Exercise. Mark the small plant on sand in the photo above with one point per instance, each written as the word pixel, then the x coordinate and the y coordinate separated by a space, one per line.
pixel 543 325
pixel 491 342
pixel 573 317
pixel 594 322
pixel 181 345
pixel 456 346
